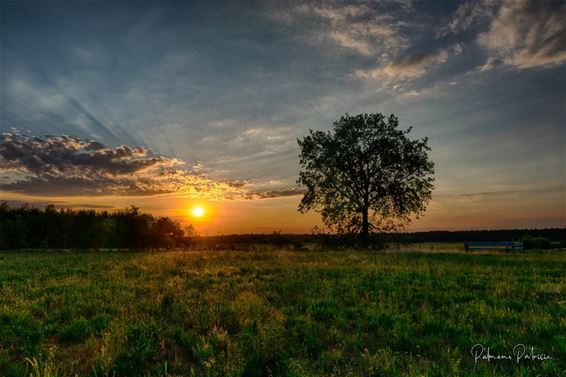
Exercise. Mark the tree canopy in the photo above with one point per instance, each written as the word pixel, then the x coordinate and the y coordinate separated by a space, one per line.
pixel 30 227
pixel 365 175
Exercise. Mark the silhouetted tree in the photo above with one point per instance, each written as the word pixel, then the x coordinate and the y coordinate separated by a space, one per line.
pixel 366 175
pixel 13 233
pixel 167 233
pixel 26 227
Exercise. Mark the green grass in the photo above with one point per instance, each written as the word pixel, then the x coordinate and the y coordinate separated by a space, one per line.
pixel 279 313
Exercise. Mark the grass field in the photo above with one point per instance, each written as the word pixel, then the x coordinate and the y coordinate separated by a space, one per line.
pixel 276 313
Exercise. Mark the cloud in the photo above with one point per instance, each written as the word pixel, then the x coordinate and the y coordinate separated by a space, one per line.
pixel 280 193
pixel 57 204
pixel 357 28
pixel 410 67
pixel 68 165
pixel 458 48
pixel 520 190
pixel 416 65
pixel 526 34
pixel 466 16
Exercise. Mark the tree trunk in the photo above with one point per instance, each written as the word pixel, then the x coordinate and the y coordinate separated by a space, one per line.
pixel 365 227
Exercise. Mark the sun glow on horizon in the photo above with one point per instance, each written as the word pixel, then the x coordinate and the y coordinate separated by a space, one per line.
pixel 197 212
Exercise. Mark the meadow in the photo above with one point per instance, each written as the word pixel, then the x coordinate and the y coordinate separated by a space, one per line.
pixel 279 313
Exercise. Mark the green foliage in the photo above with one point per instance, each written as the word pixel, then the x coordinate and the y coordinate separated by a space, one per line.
pixel 366 175
pixel 9 367
pixel 138 350
pixel 20 332
pixel 535 243
pixel 76 331
pixel 282 313
pixel 43 367
pixel 99 323
pixel 27 227
pixel 12 232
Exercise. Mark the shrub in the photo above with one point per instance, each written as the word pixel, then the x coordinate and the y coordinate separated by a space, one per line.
pixel 537 243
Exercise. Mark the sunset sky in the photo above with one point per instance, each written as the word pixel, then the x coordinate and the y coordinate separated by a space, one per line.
pixel 174 105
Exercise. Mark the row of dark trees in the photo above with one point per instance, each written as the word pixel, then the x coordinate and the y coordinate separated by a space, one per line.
pixel 30 227
pixel 533 238
pixel 492 235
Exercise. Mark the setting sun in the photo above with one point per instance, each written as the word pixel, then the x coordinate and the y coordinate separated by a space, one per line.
pixel 197 212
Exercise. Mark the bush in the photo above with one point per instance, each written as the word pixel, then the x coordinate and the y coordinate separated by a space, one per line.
pixel 537 243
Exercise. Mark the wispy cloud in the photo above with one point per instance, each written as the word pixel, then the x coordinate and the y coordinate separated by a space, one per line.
pixel 416 65
pixel 56 203
pixel 526 34
pixel 280 193
pixel 363 28
pixel 412 66
pixel 533 190
pixel 466 16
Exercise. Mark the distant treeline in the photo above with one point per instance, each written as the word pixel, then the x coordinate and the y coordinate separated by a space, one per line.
pixel 30 227
pixel 552 234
